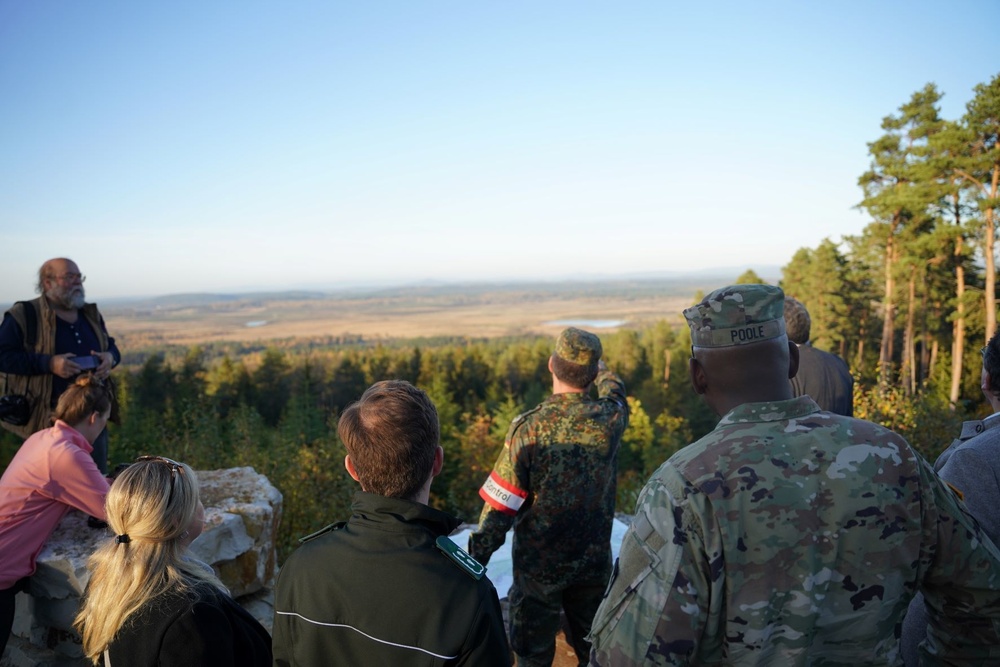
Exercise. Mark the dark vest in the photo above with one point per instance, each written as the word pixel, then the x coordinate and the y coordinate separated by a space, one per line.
pixel 38 388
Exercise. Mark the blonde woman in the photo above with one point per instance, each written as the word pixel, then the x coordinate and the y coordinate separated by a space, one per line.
pixel 51 473
pixel 148 603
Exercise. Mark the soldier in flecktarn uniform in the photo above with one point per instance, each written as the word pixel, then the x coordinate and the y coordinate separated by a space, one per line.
pixel 555 483
pixel 789 535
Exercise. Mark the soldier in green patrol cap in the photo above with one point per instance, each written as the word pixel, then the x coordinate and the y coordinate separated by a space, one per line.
pixel 555 483
pixel 789 535
pixel 388 587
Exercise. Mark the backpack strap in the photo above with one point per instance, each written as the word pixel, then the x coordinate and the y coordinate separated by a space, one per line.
pixel 31 324
pixel 29 333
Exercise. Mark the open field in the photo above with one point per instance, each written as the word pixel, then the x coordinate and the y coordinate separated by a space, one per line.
pixel 428 312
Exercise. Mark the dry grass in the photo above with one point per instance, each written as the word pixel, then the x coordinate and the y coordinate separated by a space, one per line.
pixel 483 314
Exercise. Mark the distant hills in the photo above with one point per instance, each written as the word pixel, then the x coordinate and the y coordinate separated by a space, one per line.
pixel 472 309
pixel 647 283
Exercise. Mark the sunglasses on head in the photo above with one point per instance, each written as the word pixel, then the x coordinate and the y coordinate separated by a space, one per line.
pixel 175 469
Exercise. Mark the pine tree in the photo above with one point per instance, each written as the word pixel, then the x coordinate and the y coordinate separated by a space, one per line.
pixel 948 149
pixel 895 198
pixel 981 168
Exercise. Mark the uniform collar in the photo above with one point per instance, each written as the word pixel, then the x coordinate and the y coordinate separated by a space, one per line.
pixel 971 429
pixel 567 397
pixel 389 513
pixel 770 411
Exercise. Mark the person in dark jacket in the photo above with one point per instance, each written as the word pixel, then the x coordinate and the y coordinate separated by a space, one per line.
pixel 388 587
pixel 148 603
pixel 971 466
pixel 47 342
pixel 822 376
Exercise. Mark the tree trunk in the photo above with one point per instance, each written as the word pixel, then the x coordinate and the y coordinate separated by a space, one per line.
pixel 935 347
pixel 991 274
pixel 991 277
pixel 859 360
pixel 958 329
pixel 927 349
pixel 909 338
pixel 888 315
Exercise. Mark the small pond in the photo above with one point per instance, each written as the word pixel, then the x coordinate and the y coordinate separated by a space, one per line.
pixel 586 324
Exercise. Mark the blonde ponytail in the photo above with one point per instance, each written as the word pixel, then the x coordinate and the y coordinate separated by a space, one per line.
pixel 149 507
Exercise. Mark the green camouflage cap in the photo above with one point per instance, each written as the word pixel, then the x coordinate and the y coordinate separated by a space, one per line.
pixel 578 347
pixel 737 315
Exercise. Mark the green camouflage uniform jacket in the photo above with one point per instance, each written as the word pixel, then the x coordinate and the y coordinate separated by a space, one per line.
pixel 791 536
pixel 555 482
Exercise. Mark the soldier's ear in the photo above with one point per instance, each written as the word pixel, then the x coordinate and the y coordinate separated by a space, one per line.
pixel 351 470
pixel 699 382
pixel 793 359
pixel 438 461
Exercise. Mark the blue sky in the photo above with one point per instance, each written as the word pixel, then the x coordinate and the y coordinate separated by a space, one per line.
pixel 224 146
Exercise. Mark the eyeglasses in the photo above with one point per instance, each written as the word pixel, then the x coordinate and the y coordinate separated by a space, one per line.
pixel 175 469
pixel 70 277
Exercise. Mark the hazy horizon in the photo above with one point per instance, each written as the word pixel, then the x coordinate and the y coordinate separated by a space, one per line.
pixel 721 274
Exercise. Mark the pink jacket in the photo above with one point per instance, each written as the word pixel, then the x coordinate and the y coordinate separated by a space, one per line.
pixel 51 473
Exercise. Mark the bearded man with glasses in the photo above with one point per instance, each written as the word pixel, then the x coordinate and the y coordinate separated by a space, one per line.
pixel 48 341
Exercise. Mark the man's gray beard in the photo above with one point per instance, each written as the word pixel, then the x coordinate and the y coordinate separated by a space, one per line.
pixel 70 300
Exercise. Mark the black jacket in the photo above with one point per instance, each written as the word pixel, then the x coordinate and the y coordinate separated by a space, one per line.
pixel 378 591
pixel 208 629
pixel 826 378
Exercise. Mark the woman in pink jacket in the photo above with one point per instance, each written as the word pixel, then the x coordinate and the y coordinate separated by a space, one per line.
pixel 51 473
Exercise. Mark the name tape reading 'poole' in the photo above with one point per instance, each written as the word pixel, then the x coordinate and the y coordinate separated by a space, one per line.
pixel 502 495
pixel 748 333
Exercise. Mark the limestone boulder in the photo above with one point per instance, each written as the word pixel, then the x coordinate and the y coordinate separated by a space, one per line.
pixel 242 513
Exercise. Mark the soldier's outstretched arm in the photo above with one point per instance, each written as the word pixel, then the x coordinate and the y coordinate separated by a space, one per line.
pixel 609 385
pixel 503 493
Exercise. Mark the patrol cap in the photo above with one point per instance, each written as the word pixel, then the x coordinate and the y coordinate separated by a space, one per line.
pixel 578 347
pixel 737 315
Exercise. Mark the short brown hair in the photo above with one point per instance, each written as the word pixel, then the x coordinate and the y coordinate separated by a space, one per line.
pixel 579 376
pixel 391 435
pixel 797 321
pixel 83 398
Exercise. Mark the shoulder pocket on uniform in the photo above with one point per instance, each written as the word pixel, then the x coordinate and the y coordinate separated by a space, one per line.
pixel 639 556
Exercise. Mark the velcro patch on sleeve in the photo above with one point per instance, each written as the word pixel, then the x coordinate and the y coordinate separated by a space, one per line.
pixel 501 495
